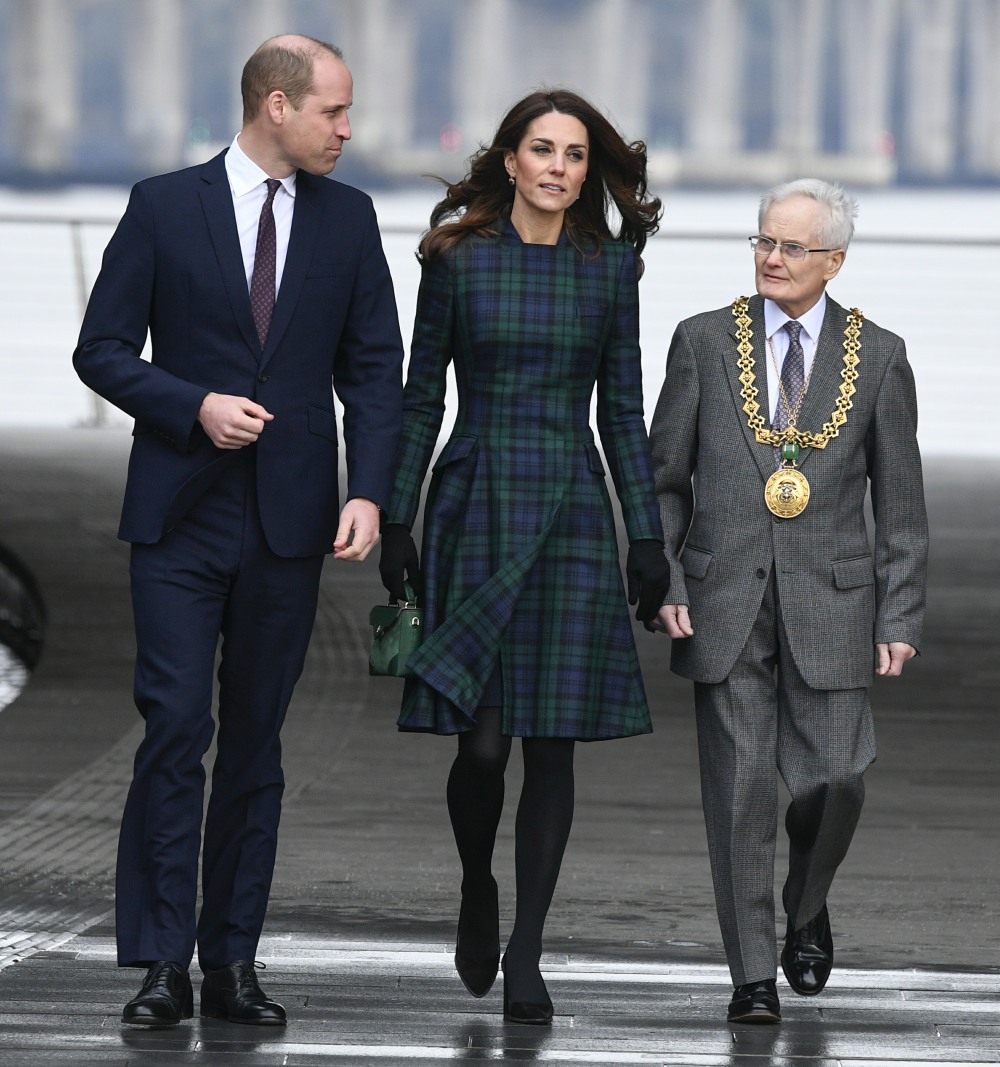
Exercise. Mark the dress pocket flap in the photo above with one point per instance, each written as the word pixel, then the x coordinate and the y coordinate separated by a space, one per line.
pixel 851 573
pixel 594 460
pixel 457 448
pixel 696 562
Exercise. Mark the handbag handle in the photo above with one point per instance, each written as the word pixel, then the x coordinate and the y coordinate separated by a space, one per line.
pixel 409 602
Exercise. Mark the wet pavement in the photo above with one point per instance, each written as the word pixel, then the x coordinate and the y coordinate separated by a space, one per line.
pixel 361 926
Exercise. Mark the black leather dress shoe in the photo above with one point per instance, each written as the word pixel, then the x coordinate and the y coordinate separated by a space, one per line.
pixel 755 1002
pixel 232 993
pixel 807 957
pixel 165 997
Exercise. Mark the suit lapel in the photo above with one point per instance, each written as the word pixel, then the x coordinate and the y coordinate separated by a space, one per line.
pixel 763 454
pixel 217 203
pixel 301 244
pixel 824 379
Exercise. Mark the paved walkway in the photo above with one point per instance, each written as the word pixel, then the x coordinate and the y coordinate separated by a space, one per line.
pixel 361 924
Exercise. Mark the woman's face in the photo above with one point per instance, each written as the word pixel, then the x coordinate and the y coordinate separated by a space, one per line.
pixel 550 163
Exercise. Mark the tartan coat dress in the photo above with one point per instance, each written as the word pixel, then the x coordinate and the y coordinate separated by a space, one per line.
pixel 520 555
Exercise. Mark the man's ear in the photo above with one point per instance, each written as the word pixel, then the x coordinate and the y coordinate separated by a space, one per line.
pixel 834 261
pixel 277 106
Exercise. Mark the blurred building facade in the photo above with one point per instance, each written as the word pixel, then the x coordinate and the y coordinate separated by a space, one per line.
pixel 723 91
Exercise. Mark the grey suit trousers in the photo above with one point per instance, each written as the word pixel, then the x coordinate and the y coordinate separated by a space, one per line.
pixel 761 717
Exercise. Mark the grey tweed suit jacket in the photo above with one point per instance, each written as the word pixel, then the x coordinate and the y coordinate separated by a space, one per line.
pixel 839 592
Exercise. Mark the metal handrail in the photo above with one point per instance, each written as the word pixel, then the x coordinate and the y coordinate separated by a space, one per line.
pixel 665 233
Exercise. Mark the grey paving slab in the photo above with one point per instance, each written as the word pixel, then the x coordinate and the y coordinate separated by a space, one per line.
pixel 365 898
pixel 396 1002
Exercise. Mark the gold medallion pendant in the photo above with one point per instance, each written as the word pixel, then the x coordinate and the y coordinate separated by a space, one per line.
pixel 786 493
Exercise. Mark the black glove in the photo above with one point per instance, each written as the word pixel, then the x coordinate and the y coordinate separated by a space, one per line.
pixel 398 561
pixel 648 575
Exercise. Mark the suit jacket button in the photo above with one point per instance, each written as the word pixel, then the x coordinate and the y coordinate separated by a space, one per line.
pixel 262 378
pixel 761 573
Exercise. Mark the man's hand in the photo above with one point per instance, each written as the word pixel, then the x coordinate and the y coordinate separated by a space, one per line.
pixel 359 516
pixel 232 421
pixel 673 619
pixel 891 657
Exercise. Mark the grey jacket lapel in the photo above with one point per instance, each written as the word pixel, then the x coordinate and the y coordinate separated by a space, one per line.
pixel 763 455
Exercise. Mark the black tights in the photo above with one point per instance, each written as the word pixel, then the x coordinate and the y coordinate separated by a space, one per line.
pixel 544 818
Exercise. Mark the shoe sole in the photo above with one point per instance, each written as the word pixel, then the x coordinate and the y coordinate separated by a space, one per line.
pixel 755 1018
pixel 154 1024
pixel 222 1017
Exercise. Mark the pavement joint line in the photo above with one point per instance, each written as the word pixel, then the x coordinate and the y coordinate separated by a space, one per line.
pixel 379 958
pixel 481 1054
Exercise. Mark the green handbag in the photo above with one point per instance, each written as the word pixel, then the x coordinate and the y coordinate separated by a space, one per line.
pixel 396 632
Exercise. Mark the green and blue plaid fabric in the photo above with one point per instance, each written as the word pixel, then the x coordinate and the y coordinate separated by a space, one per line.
pixel 520 556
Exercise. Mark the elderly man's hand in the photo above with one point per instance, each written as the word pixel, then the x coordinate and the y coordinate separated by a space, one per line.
pixel 673 619
pixel 891 657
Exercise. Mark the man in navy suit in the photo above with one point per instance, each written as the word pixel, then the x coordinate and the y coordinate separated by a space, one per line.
pixel 264 289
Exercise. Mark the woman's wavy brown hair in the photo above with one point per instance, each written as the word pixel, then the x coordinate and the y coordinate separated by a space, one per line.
pixel 616 176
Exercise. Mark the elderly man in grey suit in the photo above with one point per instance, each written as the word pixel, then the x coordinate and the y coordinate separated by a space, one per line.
pixel 777 416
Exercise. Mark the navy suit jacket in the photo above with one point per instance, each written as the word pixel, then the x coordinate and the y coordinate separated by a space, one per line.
pixel 174 268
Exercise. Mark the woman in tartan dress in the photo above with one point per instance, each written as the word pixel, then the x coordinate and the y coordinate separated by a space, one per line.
pixel 525 290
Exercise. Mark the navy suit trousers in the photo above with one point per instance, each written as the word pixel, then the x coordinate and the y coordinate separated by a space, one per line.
pixel 212 576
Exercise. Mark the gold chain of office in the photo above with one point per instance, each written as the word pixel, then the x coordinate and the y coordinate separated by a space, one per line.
pixel 749 392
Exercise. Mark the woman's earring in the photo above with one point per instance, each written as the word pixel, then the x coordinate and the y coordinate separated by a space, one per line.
pixel 510 178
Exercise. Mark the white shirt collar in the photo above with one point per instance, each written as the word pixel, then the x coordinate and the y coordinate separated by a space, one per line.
pixel 244 175
pixel 812 320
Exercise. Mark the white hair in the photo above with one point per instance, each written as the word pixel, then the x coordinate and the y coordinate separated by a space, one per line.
pixel 841 209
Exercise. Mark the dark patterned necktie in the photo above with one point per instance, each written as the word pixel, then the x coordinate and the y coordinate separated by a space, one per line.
pixel 262 280
pixel 793 374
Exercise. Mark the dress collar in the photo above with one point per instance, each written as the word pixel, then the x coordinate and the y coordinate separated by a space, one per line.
pixel 509 235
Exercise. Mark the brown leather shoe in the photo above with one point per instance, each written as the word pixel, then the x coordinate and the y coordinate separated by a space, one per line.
pixel 232 993
pixel 165 997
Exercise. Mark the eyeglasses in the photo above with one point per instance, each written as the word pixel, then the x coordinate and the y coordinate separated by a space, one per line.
pixel 764 246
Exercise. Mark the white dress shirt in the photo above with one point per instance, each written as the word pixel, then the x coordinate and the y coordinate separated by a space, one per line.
pixel 774 321
pixel 246 181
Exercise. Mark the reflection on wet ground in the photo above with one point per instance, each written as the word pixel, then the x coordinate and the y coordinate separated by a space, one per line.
pixel 22 626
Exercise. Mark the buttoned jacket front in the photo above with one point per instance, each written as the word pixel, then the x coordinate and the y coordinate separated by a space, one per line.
pixel 174 268
pixel 839 592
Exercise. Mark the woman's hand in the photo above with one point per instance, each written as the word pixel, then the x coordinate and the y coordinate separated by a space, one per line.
pixel 399 562
pixel 648 576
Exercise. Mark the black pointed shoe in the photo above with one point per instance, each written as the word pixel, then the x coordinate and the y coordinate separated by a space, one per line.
pixel 165 997
pixel 480 972
pixel 232 993
pixel 477 976
pixel 755 1002
pixel 807 957
pixel 522 1011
